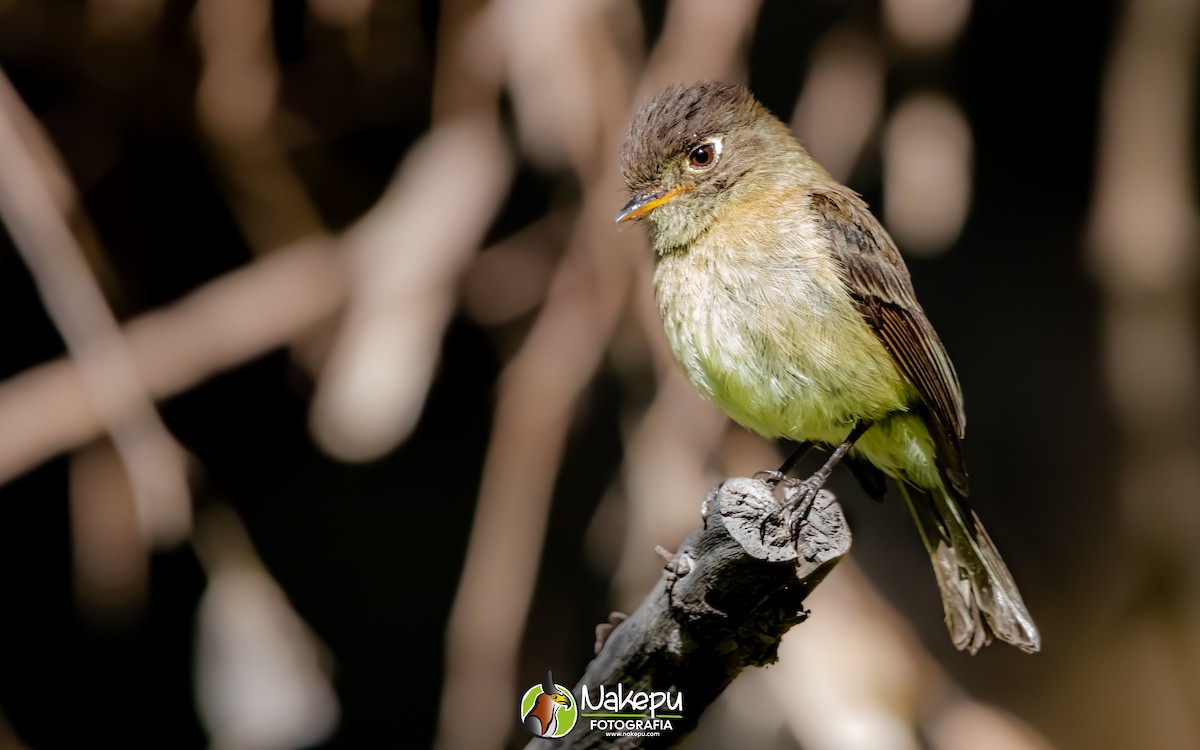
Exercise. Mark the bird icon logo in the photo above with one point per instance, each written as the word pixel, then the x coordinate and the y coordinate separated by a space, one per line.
pixel 547 709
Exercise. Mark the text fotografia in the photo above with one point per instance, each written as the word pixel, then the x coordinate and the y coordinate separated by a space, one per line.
pixel 616 709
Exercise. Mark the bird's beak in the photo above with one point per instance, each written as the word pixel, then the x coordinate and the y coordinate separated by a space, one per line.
pixel 643 203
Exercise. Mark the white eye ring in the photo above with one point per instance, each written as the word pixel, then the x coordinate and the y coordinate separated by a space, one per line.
pixel 704 155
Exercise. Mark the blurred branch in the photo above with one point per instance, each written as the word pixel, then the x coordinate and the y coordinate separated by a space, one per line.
pixel 723 603
pixel 858 676
pixel 407 256
pixel 412 249
pixel 261 674
pixel 1143 251
pixel 47 409
pixel 237 108
pixel 668 462
pixel 77 306
pixel 112 570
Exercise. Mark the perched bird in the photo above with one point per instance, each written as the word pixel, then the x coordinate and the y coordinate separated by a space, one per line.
pixel 788 305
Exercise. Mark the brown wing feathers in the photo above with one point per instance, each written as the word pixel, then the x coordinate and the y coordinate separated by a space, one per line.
pixel 876 278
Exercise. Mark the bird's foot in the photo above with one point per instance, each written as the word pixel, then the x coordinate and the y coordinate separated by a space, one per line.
pixel 799 498
pixel 779 516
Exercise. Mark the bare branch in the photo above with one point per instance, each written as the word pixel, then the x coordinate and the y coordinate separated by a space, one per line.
pixel 723 603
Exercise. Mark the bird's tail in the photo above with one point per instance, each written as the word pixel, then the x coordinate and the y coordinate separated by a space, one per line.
pixel 978 592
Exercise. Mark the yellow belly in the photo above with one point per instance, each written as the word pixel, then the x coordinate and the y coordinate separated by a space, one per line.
pixel 784 352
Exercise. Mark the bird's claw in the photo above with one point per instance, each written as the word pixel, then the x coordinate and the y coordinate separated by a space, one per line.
pixel 773 477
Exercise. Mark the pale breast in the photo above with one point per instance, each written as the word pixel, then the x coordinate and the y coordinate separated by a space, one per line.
pixel 770 335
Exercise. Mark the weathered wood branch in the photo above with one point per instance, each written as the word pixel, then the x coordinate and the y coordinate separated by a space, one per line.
pixel 723 603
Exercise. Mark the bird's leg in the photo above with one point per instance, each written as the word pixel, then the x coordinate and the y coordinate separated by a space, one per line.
pixel 775 476
pixel 801 499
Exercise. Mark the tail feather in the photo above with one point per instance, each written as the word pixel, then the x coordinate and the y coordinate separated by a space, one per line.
pixel 978 593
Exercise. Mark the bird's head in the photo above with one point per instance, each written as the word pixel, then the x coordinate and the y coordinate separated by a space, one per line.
pixel 550 691
pixel 691 150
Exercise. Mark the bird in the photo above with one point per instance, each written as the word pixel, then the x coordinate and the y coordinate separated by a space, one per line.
pixel 788 305
pixel 542 718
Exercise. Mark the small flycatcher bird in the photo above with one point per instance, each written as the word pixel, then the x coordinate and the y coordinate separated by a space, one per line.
pixel 787 303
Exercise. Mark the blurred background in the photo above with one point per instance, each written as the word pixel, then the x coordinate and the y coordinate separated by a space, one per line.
pixel 334 408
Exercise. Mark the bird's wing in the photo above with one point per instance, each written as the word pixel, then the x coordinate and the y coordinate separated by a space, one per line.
pixel 875 275
pixel 534 725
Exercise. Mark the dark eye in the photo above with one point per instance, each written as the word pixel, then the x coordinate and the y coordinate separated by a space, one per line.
pixel 702 156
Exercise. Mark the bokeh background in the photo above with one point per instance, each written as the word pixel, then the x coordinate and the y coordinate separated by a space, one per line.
pixel 334 408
